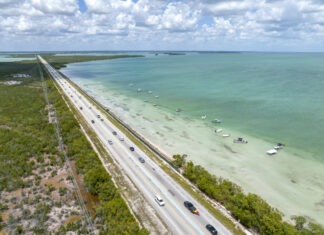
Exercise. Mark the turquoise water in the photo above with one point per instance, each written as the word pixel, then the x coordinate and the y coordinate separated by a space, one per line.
pixel 276 97
pixel 8 58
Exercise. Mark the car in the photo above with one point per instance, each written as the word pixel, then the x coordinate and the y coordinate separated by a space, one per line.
pixel 92 121
pixel 159 200
pixel 191 207
pixel 81 107
pixel 114 133
pixel 121 138
pixel 211 229
pixel 132 148
pixel 98 116
pixel 141 159
pixel 110 142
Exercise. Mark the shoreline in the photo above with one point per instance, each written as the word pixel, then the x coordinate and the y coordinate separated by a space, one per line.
pixel 254 174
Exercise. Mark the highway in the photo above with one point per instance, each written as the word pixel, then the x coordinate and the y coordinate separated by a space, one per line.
pixel 148 177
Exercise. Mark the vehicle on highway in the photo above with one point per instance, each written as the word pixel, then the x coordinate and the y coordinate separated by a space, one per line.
pixel 121 138
pixel 191 207
pixel 98 116
pixel 110 142
pixel 211 229
pixel 114 133
pixel 81 107
pixel 92 121
pixel 141 159
pixel 159 200
pixel 132 148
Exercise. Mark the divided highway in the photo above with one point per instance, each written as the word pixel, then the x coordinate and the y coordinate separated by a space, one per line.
pixel 149 178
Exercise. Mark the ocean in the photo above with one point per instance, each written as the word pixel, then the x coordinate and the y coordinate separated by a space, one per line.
pixel 266 98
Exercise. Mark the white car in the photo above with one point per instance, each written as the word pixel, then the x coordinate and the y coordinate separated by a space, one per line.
pixel 159 200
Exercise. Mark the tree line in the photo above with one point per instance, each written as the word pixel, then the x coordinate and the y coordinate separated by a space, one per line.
pixel 249 209
pixel 112 214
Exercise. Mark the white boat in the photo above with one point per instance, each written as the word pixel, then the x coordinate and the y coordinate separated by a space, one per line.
pixel 218 130
pixel 216 121
pixel 203 117
pixel 150 92
pixel 156 96
pixel 226 135
pixel 139 89
pixel 272 152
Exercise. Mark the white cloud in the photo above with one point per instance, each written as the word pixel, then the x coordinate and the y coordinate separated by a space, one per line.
pixel 56 6
pixel 124 21
pixel 179 16
pixel 183 24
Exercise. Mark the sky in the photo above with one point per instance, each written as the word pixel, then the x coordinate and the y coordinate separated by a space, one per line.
pixel 213 25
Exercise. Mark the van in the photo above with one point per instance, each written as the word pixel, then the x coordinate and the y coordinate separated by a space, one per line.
pixel 159 200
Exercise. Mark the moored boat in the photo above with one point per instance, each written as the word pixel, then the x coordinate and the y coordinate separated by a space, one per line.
pixel 279 146
pixel 218 130
pixel 240 140
pixel 216 121
pixel 272 152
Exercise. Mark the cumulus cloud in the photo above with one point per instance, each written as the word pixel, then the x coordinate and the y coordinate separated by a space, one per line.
pixel 179 17
pixel 56 6
pixel 159 23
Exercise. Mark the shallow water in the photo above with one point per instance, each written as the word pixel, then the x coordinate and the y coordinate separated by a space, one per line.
pixel 266 98
pixel 8 58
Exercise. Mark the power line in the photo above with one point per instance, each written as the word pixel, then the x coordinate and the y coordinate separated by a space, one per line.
pixel 61 146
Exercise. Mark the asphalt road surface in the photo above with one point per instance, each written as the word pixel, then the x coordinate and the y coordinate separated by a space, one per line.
pixel 149 178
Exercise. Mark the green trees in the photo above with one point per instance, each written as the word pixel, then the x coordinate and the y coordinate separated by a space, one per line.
pixel 24 130
pixel 179 160
pixel 250 209
pixel 112 214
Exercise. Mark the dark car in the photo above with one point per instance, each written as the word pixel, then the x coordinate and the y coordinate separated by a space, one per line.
pixel 141 159
pixel 114 133
pixel 191 207
pixel 211 229
pixel 132 148
pixel 92 121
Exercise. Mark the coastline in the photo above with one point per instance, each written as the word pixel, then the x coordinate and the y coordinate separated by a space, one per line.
pixel 291 190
